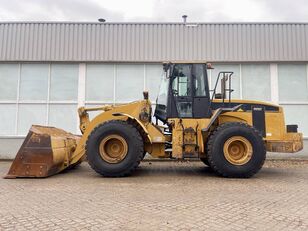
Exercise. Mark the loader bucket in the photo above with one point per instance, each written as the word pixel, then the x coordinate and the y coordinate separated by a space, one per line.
pixel 45 151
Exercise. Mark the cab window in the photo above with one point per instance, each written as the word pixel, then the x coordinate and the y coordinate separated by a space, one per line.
pixel 181 80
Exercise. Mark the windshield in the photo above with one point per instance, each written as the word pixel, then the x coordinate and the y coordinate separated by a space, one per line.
pixel 163 91
pixel 161 101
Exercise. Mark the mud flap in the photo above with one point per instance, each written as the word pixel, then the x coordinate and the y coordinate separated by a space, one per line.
pixel 45 151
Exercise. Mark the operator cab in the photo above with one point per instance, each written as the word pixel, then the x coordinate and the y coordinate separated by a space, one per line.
pixel 184 92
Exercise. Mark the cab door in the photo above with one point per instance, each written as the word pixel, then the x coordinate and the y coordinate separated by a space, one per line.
pixel 189 93
pixel 201 96
pixel 181 92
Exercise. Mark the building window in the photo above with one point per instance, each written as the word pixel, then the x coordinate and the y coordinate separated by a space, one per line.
pixel 256 82
pixel 29 114
pixel 7 116
pixel 34 82
pixel 9 81
pixel 100 82
pixel 293 94
pixel 47 94
pixel 292 81
pixel 9 77
pixel 129 82
pixel 235 79
pixel 64 82
pixel 120 83
pixel 44 94
pixel 63 116
pixel 295 114
pixel 153 74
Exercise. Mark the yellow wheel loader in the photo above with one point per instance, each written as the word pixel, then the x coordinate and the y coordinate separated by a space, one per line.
pixel 189 122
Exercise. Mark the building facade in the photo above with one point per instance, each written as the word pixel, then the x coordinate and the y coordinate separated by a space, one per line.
pixel 49 69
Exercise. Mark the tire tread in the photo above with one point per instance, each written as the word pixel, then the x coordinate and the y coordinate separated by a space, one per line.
pixel 211 141
pixel 136 136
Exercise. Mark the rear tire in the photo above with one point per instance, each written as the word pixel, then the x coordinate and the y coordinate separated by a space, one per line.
pixel 127 143
pixel 236 150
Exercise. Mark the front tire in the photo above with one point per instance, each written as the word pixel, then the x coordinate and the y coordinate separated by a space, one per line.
pixel 114 148
pixel 236 150
pixel 205 161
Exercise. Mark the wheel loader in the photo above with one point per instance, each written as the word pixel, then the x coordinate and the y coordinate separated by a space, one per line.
pixel 190 121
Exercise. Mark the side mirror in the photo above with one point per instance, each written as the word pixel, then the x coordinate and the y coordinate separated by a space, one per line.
pixel 146 95
pixel 166 66
pixel 209 66
pixel 167 69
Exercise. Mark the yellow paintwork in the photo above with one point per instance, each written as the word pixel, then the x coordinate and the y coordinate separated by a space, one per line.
pixel 177 134
pixel 292 142
pixel 274 122
pixel 237 150
pixel 155 141
pixel 277 139
pixel 188 136
pixel 156 149
pixel 113 148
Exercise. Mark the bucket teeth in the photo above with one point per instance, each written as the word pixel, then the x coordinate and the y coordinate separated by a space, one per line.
pixel 45 151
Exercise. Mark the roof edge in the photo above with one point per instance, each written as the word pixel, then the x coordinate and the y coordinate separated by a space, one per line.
pixel 154 23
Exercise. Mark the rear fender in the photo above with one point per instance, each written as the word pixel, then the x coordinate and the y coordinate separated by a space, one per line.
pixel 231 117
pixel 223 115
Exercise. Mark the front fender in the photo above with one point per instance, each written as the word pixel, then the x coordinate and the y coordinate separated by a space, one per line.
pixel 137 121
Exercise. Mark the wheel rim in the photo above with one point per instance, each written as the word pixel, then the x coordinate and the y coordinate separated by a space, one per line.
pixel 113 149
pixel 237 150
